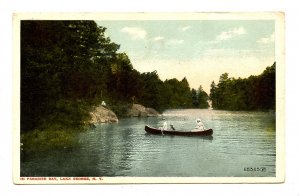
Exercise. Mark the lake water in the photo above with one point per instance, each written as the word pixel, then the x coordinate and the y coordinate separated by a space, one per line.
pixel 242 142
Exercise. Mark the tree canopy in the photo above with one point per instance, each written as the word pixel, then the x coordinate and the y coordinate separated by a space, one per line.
pixel 67 66
pixel 252 93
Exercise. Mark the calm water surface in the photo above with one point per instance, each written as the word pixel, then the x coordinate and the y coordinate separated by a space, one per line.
pixel 240 140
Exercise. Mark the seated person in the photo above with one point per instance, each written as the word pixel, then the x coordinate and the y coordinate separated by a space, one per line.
pixel 165 125
pixel 199 125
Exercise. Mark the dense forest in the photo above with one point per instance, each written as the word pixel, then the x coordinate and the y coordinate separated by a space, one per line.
pixel 69 66
pixel 252 93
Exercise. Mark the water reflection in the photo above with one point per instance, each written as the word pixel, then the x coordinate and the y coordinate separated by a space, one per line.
pixel 210 137
pixel 240 139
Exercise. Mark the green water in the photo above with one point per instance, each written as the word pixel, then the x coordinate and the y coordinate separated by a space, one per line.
pixel 242 141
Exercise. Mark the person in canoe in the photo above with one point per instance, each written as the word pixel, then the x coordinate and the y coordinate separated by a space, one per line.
pixel 199 125
pixel 165 125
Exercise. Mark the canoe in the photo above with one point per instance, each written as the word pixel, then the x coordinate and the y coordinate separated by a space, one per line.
pixel 152 130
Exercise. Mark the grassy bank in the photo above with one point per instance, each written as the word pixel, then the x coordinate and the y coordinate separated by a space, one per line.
pixel 54 138
pixel 60 129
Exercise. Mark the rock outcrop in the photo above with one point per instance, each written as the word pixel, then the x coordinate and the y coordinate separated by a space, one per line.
pixel 138 110
pixel 102 115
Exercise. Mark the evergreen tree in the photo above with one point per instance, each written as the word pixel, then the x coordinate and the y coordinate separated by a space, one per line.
pixel 202 98
pixel 252 93
pixel 195 99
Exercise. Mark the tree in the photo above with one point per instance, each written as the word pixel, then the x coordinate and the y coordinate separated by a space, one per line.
pixel 195 98
pixel 213 95
pixel 178 94
pixel 252 93
pixel 61 62
pixel 68 66
pixel 202 98
pixel 152 87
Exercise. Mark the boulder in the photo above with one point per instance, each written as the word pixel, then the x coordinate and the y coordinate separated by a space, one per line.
pixel 138 110
pixel 102 115
pixel 152 112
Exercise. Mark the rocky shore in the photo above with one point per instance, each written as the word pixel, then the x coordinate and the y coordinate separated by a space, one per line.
pixel 138 110
pixel 101 114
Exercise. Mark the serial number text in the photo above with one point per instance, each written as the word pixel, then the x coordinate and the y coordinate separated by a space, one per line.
pixel 255 169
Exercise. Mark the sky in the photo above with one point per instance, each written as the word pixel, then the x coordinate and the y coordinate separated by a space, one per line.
pixel 200 50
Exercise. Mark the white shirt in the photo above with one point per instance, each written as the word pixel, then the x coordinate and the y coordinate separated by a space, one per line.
pixel 165 126
pixel 200 126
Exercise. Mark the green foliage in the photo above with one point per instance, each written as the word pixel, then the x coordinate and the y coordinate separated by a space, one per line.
pixel 120 108
pixel 202 98
pixel 253 93
pixel 151 90
pixel 64 65
pixel 177 94
pixel 171 93
pixel 47 139
pixel 69 66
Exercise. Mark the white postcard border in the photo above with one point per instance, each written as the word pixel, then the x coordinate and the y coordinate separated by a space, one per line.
pixel 280 95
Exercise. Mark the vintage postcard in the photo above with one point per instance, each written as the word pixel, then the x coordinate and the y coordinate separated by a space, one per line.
pixel 104 98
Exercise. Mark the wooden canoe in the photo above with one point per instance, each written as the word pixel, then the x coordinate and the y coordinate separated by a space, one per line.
pixel 182 133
